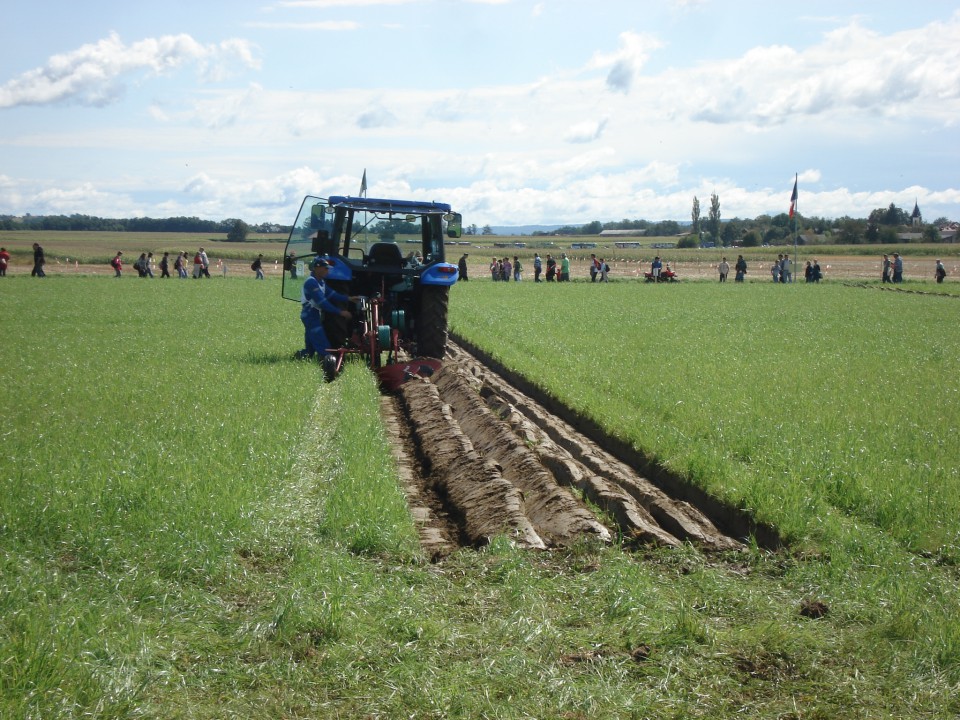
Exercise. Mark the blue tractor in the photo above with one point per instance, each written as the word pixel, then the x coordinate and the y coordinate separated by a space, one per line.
pixel 400 325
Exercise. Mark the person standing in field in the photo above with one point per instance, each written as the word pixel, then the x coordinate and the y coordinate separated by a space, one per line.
pixel 506 270
pixel 817 272
pixel 148 265
pixel 551 268
pixel 462 267
pixel 887 270
pixel 724 269
pixel 775 269
pixel 517 269
pixel 257 267
pixel 39 260
pixel 5 261
pixel 940 273
pixel 656 267
pixel 594 267
pixel 140 265
pixel 204 264
pixel 179 266
pixel 165 265
pixel 537 267
pixel 897 268
pixel 604 271
pixel 117 264
pixel 786 269
pixel 741 269
pixel 197 265
pixel 564 268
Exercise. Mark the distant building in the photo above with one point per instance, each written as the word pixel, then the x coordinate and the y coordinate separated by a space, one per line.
pixel 915 218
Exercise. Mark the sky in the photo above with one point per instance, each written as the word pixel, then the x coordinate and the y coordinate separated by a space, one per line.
pixel 516 112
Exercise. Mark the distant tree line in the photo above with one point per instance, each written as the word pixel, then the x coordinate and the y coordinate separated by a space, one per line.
pixel 883 225
pixel 92 223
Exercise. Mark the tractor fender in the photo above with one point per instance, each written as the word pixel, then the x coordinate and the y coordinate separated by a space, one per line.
pixel 340 270
pixel 442 274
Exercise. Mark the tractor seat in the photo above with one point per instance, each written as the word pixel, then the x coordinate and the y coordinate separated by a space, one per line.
pixel 384 254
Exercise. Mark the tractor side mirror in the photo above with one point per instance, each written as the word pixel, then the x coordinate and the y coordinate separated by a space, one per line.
pixel 316 215
pixel 454 224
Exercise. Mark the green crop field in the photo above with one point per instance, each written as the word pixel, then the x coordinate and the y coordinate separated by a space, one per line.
pixel 193 525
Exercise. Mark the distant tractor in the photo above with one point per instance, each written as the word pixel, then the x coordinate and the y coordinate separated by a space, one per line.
pixel 400 325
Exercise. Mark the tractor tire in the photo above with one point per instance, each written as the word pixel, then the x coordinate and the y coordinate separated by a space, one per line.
pixel 432 321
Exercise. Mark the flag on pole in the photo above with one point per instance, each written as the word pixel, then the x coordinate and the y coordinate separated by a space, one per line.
pixel 363 184
pixel 793 197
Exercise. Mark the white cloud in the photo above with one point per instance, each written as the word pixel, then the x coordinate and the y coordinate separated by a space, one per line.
pixel 586 131
pixel 94 73
pixel 910 73
pixel 376 117
pixel 627 61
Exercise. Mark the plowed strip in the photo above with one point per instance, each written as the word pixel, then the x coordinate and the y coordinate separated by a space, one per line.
pixel 557 516
pixel 474 488
pixel 662 519
pixel 479 458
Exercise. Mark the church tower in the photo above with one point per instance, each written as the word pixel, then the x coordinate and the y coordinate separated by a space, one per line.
pixel 915 218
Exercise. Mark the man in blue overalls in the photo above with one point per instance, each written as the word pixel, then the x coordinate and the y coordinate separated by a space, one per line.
pixel 317 298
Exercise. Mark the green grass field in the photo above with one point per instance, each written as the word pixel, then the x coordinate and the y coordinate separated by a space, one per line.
pixel 193 525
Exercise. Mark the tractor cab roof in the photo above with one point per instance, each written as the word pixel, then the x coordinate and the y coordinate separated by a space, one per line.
pixel 376 205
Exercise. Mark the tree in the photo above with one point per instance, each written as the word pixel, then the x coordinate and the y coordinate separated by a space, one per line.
pixel 695 217
pixel 689 241
pixel 851 231
pixel 891 216
pixel 774 235
pixel 731 232
pixel 487 230
pixel 750 239
pixel 889 235
pixel 238 231
pixel 713 220
pixel 931 234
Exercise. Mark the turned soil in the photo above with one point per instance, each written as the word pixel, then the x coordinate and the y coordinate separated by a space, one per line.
pixel 478 458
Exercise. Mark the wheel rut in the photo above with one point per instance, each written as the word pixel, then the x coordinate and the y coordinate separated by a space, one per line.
pixel 479 458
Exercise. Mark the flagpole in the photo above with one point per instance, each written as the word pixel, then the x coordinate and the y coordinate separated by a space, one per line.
pixel 796 232
pixel 363 193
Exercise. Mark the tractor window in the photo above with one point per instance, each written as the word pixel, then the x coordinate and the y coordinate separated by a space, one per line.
pixel 311 227
pixel 432 234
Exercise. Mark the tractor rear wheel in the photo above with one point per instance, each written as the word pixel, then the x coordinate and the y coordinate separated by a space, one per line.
pixel 432 321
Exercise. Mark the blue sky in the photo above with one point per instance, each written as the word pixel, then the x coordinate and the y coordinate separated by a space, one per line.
pixel 514 111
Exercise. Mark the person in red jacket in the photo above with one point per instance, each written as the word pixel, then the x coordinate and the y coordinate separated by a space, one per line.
pixel 4 261
pixel 117 264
